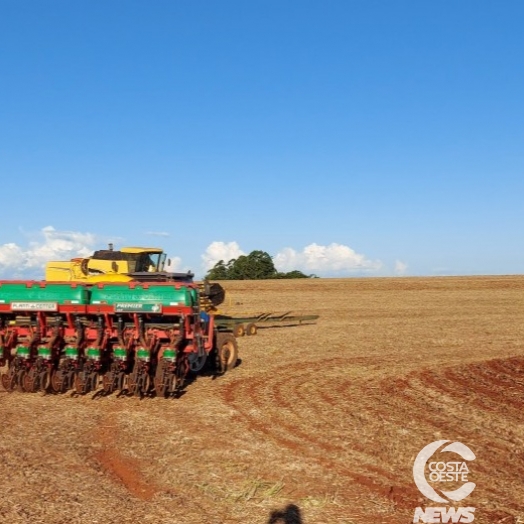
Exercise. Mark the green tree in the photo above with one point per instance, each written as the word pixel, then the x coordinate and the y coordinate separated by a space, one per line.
pixel 258 265
pixel 218 272
pixel 294 274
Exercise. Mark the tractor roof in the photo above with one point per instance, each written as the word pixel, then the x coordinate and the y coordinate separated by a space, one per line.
pixel 141 250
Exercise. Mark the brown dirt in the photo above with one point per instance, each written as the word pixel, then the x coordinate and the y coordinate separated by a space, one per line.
pixel 123 469
pixel 318 424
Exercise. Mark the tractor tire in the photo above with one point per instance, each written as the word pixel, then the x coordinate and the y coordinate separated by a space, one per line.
pixel 239 330
pixel 227 351
pixel 251 329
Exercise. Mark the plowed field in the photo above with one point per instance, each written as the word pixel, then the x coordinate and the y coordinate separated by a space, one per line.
pixel 319 423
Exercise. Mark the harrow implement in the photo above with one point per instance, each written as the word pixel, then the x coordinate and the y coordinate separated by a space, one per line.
pixel 248 325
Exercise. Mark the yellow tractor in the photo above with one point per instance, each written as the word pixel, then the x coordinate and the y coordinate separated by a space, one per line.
pixel 143 264
pixel 108 264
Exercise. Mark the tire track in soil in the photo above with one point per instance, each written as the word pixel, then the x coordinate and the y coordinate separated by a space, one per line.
pixel 497 382
pixel 487 384
pixel 125 470
pixel 248 392
pixel 447 422
pixel 476 386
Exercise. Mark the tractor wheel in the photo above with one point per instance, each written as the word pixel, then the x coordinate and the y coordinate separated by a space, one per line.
pixel 145 383
pixel 251 329
pixel 20 380
pixel 227 351
pixel 45 381
pixel 57 381
pixel 160 387
pixel 107 382
pixel 197 363
pixel 93 380
pixel 29 382
pixel 239 330
pixel 6 381
pixel 69 381
pixel 121 381
pixel 80 383
pixel 131 383
pixel 160 380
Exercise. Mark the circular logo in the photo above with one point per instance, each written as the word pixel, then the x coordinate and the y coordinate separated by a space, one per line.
pixel 443 471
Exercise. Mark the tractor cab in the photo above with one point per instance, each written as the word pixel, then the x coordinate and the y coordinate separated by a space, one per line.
pixel 130 260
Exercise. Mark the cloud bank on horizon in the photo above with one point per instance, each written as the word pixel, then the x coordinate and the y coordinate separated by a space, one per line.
pixel 329 260
pixel 334 259
pixel 29 262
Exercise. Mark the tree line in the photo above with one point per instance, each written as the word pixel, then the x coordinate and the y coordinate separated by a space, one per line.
pixel 258 265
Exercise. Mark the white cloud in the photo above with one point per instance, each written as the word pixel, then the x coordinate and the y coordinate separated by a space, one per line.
pixel 18 262
pixel 28 262
pixel 400 267
pixel 175 266
pixel 220 251
pixel 331 259
pixel 11 256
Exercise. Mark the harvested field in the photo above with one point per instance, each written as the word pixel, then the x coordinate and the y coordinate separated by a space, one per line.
pixel 318 424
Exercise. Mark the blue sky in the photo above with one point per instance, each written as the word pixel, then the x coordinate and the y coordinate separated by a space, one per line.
pixel 343 137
